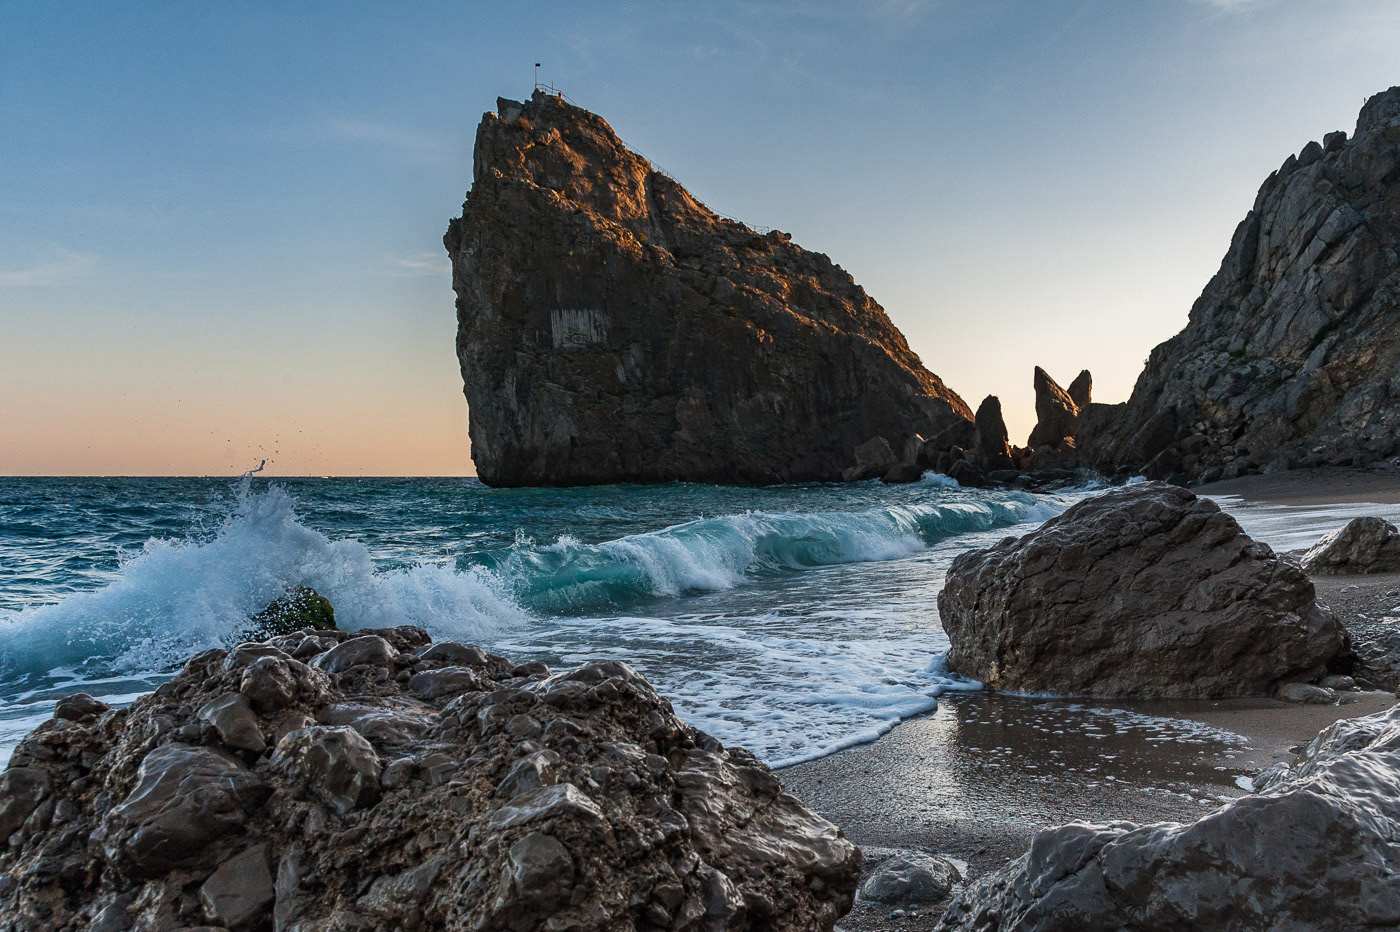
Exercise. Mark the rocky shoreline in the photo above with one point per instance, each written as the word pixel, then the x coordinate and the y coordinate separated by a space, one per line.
pixel 328 781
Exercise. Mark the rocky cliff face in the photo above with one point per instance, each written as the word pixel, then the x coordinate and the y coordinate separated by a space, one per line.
pixel 1292 353
pixel 612 328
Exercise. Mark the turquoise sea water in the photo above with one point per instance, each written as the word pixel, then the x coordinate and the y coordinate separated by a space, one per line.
pixel 793 620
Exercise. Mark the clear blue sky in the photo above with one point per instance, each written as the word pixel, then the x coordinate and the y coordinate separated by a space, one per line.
pixel 220 227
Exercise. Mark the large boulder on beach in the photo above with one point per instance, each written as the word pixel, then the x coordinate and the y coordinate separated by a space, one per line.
pixel 1363 545
pixel 1145 590
pixel 326 780
pixel 612 328
pixel 1315 849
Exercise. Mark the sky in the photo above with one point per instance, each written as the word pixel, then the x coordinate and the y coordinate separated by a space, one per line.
pixel 221 224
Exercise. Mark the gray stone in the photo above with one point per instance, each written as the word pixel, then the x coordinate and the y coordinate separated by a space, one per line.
pixel 21 790
pixel 1363 545
pixel 368 649
pixel 563 800
pixel 269 684
pixel 532 772
pixel 1338 682
pixel 185 800
pixel 336 762
pixel 232 717
pixel 911 879
pixel 538 876
pixel 1143 591
pixel 79 707
pixel 445 682
pixel 240 892
pixel 1305 694
pixel 456 655
pixel 1314 849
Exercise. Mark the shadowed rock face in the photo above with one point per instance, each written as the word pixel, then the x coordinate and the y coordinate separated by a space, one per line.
pixel 1056 413
pixel 1142 591
pixel 1314 849
pixel 1292 353
pixel 395 784
pixel 612 328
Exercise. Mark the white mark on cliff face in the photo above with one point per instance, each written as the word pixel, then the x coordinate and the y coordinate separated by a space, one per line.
pixel 570 327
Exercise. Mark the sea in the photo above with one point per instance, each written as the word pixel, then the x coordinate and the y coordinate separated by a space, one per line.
pixel 792 620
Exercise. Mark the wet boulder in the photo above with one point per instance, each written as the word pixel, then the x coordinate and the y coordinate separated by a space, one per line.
pixel 911 878
pixel 507 797
pixel 1145 590
pixel 186 804
pixel 1363 545
pixel 302 607
pixel 1316 849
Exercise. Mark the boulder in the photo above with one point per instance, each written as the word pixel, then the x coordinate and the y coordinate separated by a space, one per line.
pixel 1305 694
pixel 79 707
pixel 991 442
pixel 1291 355
pixel 1145 590
pixel 231 715
pixel 1057 416
pixel 1363 545
pixel 1315 849
pixel 612 328
pixel 302 607
pixel 911 878
pixel 873 458
pixel 513 799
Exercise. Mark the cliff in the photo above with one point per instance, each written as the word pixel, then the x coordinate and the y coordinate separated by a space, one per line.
pixel 611 328
pixel 1292 353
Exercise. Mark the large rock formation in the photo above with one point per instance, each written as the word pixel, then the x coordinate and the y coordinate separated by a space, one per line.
pixel 1292 353
pixel 1315 849
pixel 1142 591
pixel 612 328
pixel 331 781
pixel 1056 413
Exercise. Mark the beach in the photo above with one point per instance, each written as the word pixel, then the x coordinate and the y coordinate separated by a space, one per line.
pixel 977 778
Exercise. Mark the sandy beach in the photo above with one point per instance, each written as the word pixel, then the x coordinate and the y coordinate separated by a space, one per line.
pixel 975 779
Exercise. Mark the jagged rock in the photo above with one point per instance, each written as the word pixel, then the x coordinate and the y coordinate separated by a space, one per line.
pixel 1145 590
pixel 367 650
pixel 1057 416
pixel 612 328
pixel 911 878
pixel 873 458
pixel 1363 545
pixel 516 800
pixel 302 607
pixel 1081 390
pixel 1315 849
pixel 990 441
pixel 1291 357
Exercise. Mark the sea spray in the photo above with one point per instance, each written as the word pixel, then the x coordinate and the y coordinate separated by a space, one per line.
pixel 792 620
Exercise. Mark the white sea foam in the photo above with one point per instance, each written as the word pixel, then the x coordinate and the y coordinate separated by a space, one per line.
pixel 173 598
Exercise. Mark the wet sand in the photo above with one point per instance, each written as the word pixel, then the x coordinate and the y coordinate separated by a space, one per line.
pixel 1312 487
pixel 976 779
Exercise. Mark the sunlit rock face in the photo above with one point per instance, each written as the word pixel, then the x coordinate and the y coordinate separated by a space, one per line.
pixel 613 328
pixel 1292 354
